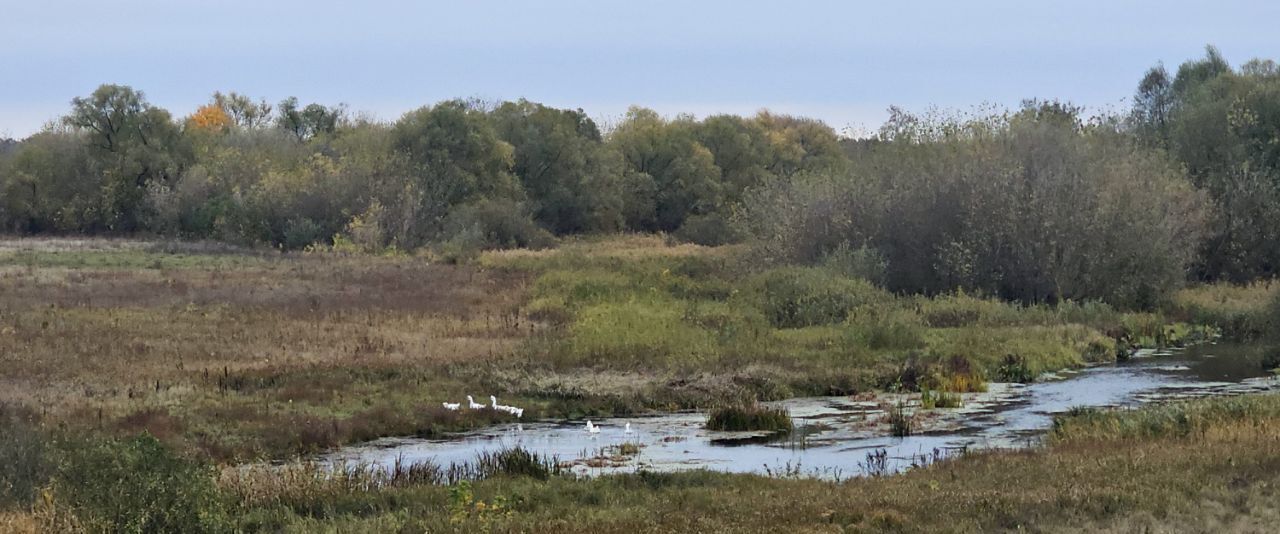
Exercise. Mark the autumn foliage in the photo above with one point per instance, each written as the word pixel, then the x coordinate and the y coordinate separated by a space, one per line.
pixel 210 117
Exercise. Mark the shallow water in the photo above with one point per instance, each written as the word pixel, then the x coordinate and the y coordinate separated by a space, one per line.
pixel 839 437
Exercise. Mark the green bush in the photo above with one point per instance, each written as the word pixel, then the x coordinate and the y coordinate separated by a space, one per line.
pixel 884 327
pixel 496 224
pixel 711 229
pixel 299 233
pixel 137 485
pixel 862 262
pixel 901 422
pixel 795 297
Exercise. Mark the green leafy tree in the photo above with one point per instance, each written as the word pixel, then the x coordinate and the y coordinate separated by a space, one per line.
pixel 453 156
pixel 566 170
pixel 667 169
pixel 308 122
pixel 135 146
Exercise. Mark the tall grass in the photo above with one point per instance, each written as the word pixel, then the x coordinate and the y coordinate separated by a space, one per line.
pixel 1186 419
pixel 1240 312
pixel 748 417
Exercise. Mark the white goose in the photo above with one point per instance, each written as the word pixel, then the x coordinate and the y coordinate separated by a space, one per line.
pixel 452 406
pixel 471 403
pixel 627 430
pixel 518 412
pixel 592 429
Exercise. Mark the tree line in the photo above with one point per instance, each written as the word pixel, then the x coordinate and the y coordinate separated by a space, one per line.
pixel 1035 204
pixel 243 170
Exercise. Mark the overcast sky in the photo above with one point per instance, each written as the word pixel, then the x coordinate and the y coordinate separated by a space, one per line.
pixel 843 62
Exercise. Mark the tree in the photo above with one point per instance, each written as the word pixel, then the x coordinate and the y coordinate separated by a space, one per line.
pixel 134 144
pixel 243 111
pixel 1224 127
pixel 310 121
pixel 210 118
pixel 1151 106
pixel 665 163
pixel 564 166
pixel 50 184
pixel 453 156
pixel 1035 206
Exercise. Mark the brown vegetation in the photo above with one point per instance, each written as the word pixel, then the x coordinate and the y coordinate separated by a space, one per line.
pixel 310 350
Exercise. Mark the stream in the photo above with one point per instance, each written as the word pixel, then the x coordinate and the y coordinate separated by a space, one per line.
pixel 840 437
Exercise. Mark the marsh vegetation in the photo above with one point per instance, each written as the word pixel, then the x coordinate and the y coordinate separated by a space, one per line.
pixel 187 300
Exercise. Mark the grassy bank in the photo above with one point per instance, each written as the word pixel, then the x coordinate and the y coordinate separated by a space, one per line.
pixel 1220 472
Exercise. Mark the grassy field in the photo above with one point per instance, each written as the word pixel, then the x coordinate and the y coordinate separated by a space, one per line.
pixel 227 355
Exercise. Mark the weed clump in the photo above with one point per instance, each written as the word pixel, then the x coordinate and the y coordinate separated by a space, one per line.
pixel 516 462
pixel 901 423
pixel 930 399
pixel 746 417
pixel 1014 368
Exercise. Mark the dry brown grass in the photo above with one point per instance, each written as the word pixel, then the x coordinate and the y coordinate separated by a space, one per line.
pixel 620 247
pixel 228 358
pixel 19 523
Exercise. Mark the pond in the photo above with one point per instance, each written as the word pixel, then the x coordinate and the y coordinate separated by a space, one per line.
pixel 839 437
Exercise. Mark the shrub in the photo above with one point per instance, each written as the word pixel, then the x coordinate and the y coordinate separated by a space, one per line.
pixel 496 224
pixel 745 417
pixel 711 229
pixel 298 233
pixel 137 485
pixel 862 262
pixel 795 297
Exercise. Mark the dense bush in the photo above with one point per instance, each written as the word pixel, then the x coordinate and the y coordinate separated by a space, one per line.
pixel 138 485
pixel 494 224
pixel 794 297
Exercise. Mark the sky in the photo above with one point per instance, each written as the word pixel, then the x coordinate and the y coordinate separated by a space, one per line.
pixel 842 62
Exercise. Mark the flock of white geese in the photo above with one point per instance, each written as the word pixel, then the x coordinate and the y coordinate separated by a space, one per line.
pixel 518 412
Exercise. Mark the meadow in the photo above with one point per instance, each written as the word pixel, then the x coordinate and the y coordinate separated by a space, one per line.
pixel 194 358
